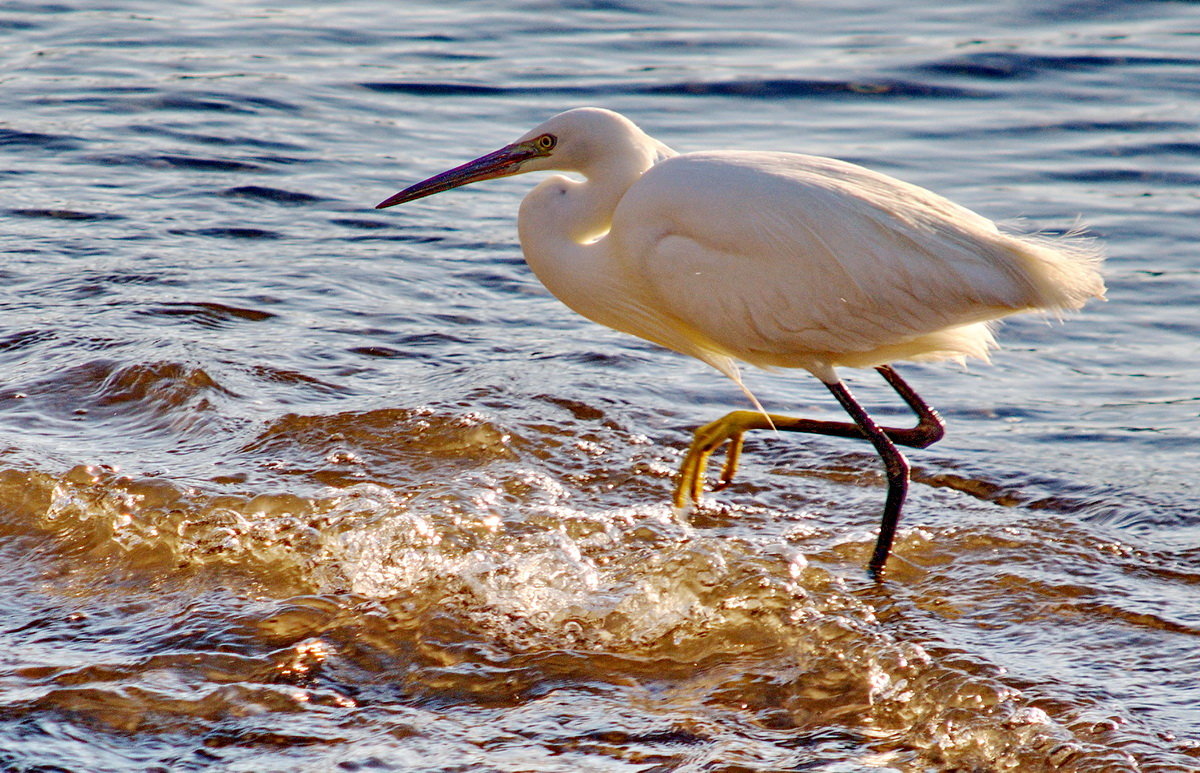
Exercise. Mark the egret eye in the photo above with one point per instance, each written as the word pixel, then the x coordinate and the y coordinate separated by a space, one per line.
pixel 546 142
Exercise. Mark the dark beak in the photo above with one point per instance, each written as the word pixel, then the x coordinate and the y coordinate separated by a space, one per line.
pixel 500 163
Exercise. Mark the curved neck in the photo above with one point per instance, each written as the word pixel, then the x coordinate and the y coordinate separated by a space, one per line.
pixel 560 226
pixel 561 223
pixel 582 211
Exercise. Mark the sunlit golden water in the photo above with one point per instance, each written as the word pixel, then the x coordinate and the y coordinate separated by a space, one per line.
pixel 290 484
pixel 267 619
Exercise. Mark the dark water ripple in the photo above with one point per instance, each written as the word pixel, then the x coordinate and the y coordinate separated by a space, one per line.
pixel 787 88
pixel 289 483
pixel 761 89
pixel 65 214
pixel 209 314
pixel 184 162
pixel 264 193
pixel 1017 65
pixel 13 137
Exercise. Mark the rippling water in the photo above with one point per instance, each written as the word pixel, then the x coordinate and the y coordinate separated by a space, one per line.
pixel 290 484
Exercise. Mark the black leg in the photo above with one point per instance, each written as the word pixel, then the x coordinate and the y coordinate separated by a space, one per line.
pixel 930 427
pixel 897 476
pixel 929 430
pixel 733 426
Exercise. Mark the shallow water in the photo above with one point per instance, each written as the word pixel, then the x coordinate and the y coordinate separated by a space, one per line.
pixel 290 484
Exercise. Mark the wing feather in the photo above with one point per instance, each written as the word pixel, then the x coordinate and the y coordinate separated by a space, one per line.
pixel 782 259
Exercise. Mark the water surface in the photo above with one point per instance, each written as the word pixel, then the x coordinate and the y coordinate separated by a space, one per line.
pixel 287 483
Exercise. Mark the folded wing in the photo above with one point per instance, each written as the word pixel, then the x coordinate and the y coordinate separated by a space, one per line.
pixel 802 261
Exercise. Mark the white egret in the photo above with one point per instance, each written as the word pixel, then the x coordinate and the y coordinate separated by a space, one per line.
pixel 776 260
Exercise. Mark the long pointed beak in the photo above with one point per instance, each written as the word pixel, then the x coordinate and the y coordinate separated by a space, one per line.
pixel 500 163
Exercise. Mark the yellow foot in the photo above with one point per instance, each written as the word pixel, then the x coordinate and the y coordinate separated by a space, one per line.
pixel 731 427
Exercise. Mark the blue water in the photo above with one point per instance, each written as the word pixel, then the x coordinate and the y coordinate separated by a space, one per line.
pixel 287 483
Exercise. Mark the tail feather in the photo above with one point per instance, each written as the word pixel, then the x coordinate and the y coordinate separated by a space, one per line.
pixel 1063 271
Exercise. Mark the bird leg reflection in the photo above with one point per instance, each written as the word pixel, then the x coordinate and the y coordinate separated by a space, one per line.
pixel 733 427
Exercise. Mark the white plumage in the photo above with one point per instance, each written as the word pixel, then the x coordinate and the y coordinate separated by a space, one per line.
pixel 773 259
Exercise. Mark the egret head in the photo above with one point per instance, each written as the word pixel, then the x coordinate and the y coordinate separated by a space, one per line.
pixel 570 141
